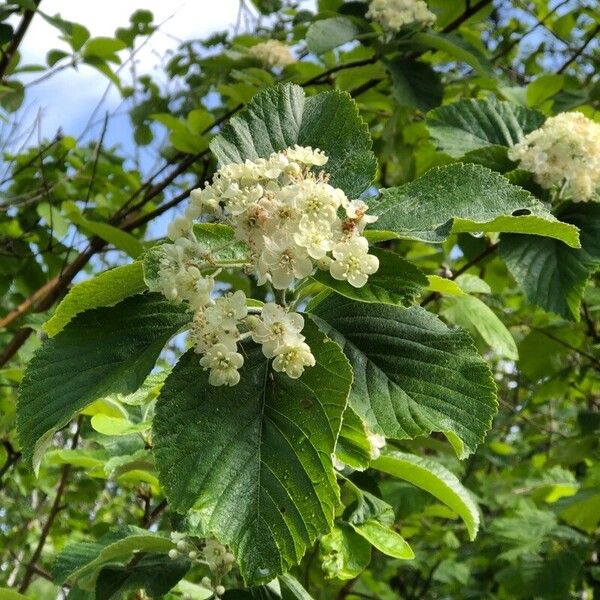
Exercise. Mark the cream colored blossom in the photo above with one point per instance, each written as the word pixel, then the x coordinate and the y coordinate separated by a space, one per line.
pixel 292 359
pixel 352 262
pixel 395 14
pixel 564 151
pixel 223 365
pixel 272 53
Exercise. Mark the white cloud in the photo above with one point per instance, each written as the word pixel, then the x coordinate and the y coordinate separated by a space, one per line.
pixel 67 99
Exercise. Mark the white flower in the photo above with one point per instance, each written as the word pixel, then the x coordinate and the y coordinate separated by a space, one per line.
pixel 315 236
pixel 357 212
pixel 277 328
pixel 223 365
pixel 179 227
pixel 307 155
pixel 376 443
pixel 293 359
pixel 564 150
pixel 283 263
pixel 227 311
pixel 352 261
pixel 272 53
pixel 395 14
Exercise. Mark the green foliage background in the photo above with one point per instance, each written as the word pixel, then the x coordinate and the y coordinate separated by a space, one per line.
pixel 441 107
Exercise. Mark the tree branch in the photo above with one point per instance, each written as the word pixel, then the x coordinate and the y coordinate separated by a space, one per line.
pixel 54 510
pixel 10 52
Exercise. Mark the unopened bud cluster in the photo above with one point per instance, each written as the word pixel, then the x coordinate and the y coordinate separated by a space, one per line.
pixel 272 53
pixel 563 152
pixel 395 14
pixel 292 221
pixel 210 552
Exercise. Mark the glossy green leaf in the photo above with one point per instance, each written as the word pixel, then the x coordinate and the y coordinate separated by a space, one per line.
pixel 281 116
pixel 432 477
pixel 255 460
pixel 100 352
pixel 470 125
pixel 397 281
pixel 105 289
pixel 412 374
pixel 464 198
pixel 386 540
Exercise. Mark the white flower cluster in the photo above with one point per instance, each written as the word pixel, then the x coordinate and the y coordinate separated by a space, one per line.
pixel 211 552
pixel 272 53
pixel 290 218
pixel 565 150
pixel 395 14
pixel 292 221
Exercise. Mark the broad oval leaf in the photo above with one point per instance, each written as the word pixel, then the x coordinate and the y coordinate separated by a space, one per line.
pixel 106 289
pixel 344 554
pixel 479 319
pixel 397 281
pixel 281 116
pixel 82 561
pixel 464 198
pixel 435 479
pixel 327 34
pixel 470 124
pixel 412 374
pixel 255 460
pixel 100 352
pixel 551 274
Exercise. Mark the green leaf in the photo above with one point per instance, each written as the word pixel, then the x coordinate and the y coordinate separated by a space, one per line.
pixel 470 124
pixel 120 239
pixel 294 587
pixel 82 561
pixel 281 116
pixel 386 540
pixel 53 56
pixel 100 352
pixel 551 274
pixel 344 554
pixel 397 281
pixel 327 34
pixel 103 47
pixel 256 459
pixel 442 285
pixel 412 374
pixel 544 87
pixel 353 447
pixel 464 198
pixel 479 319
pixel 9 594
pixel 105 289
pixel 154 573
pixel 415 84
pixel 53 219
pixel 456 47
pixel 432 477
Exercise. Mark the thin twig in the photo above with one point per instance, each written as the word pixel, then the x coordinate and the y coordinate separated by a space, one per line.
pixel 54 510
pixel 471 263
pixel 17 38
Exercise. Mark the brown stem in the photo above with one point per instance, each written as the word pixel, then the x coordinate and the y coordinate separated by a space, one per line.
pixel 10 52
pixel 54 510
pixel 469 12
pixel 471 263
pixel 580 51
